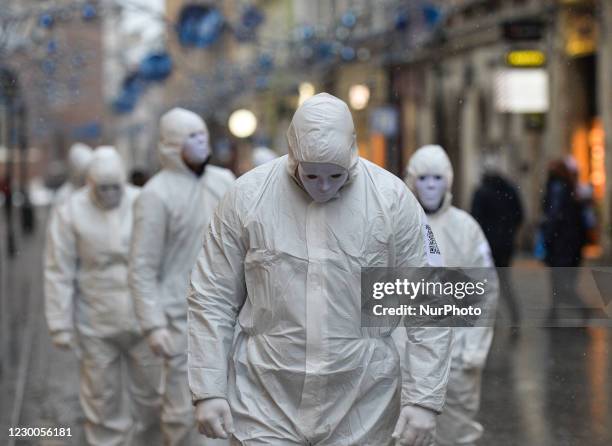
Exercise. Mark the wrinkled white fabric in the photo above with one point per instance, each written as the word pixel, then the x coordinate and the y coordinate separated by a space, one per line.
pixel 169 221
pixel 287 270
pixel 87 250
pixel 79 158
pixel 262 155
pixel 462 244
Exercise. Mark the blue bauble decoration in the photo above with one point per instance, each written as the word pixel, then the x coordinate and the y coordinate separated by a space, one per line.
pixel 156 67
pixel 251 18
pixel 347 53
pixel 325 50
pixel 51 47
pixel 46 20
pixel 89 12
pixel 199 26
pixel 349 19
pixel 307 32
pixel 432 15
pixel 265 62
pixel 402 19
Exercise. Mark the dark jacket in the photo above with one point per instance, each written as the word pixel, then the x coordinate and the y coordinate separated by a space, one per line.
pixel 496 206
pixel 563 226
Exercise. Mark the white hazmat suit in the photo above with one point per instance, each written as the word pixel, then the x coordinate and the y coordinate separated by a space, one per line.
pixel 87 249
pixel 79 158
pixel 302 370
pixel 462 244
pixel 170 217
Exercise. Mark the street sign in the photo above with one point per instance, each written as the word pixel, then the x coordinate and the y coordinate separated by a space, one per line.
pixel 525 58
pixel 520 90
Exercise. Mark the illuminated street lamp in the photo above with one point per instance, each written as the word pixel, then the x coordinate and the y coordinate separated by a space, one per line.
pixel 242 123
pixel 306 91
pixel 359 96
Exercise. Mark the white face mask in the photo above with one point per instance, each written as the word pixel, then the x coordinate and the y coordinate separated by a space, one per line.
pixel 108 195
pixel 322 181
pixel 430 191
pixel 196 148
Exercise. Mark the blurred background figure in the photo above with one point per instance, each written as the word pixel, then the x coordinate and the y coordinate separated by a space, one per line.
pixel 89 309
pixel 564 233
pixel 138 177
pixel 170 217
pixel 497 207
pixel 429 175
pixel 79 158
pixel 262 155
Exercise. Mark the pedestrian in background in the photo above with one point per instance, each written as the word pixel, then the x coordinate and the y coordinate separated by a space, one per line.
pixel 429 175
pixel 564 232
pixel 89 308
pixel 497 207
pixel 170 216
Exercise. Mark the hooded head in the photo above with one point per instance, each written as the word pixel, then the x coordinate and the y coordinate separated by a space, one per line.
pixel 106 177
pixel 322 134
pixel 429 175
pixel 79 158
pixel 183 134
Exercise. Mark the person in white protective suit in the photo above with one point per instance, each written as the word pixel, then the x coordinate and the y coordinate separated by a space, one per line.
pixel 87 250
pixel 282 257
pixel 79 158
pixel 429 175
pixel 170 217
pixel 262 155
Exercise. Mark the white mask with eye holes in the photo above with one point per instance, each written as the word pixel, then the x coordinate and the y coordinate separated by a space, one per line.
pixel 196 148
pixel 108 195
pixel 431 190
pixel 322 181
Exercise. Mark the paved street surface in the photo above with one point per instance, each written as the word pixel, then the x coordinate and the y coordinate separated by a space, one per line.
pixel 544 387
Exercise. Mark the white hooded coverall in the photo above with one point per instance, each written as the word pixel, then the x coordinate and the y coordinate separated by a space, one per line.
pixel 286 268
pixel 87 248
pixel 170 217
pixel 462 244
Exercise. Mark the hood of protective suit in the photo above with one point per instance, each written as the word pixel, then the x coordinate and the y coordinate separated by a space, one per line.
pixel 430 160
pixel 79 158
pixel 106 167
pixel 322 131
pixel 174 128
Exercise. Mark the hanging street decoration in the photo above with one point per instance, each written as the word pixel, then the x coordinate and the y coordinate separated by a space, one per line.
pixel 156 67
pixel 199 26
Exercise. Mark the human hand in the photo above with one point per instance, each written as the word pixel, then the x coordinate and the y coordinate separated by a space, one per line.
pixel 63 339
pixel 415 427
pixel 160 342
pixel 214 418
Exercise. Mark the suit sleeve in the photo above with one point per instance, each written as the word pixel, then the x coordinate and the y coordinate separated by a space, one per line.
pixel 146 255
pixel 60 270
pixel 426 367
pixel 217 293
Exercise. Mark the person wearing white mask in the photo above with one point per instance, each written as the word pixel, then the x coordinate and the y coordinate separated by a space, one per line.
pixel 282 258
pixel 79 158
pixel 429 175
pixel 87 249
pixel 170 217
